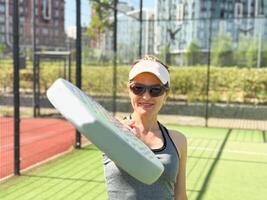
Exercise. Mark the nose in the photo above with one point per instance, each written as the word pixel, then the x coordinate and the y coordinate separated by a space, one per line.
pixel 146 95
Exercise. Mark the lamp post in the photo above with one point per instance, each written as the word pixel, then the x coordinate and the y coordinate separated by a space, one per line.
pixel 261 18
pixel 172 30
pixel 141 28
pixel 246 30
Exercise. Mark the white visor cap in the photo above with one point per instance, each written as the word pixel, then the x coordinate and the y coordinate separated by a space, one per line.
pixel 152 67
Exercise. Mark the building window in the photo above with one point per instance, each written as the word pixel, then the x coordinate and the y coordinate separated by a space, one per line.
pixel 2 38
pixel 56 3
pixel 2 8
pixel 45 31
pixel 230 7
pixel 238 10
pixel 185 10
pixel 36 11
pixel 222 14
pixel 2 18
pixel 46 9
pixel 180 11
pixel 2 30
pixel 174 10
pixel 56 13
pixel 22 20
pixel 203 6
pixel 258 8
pixel 56 33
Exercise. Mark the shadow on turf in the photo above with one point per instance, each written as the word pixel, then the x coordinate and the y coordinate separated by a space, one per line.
pixel 191 190
pixel 211 170
pixel 62 178
pixel 230 160
pixel 87 148
pixel 264 136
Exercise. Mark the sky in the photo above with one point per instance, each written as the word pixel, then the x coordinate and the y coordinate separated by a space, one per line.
pixel 70 5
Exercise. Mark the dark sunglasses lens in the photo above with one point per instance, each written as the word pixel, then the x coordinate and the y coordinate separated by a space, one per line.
pixel 156 91
pixel 137 89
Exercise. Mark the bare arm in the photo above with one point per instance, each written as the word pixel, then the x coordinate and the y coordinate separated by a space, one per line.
pixel 181 145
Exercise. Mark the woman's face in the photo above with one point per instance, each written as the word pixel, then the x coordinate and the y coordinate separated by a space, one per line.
pixel 145 104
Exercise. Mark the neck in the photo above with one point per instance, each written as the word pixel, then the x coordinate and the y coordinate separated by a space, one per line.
pixel 145 123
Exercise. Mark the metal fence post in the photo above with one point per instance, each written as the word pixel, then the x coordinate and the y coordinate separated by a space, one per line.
pixel 16 87
pixel 114 88
pixel 78 60
pixel 69 67
pixel 208 72
pixel 34 59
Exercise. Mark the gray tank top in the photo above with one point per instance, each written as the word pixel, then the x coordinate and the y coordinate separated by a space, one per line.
pixel 121 186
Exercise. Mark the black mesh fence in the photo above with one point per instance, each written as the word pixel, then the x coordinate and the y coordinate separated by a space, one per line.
pixel 217 62
pixel 45 54
pixel 6 116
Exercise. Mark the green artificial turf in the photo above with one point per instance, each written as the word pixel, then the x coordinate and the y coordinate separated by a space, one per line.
pixel 222 164
pixel 77 175
pixel 225 164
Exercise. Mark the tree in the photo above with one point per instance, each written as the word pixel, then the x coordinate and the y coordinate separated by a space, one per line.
pixel 252 53
pixel 264 55
pixel 222 50
pixel 192 55
pixel 2 48
pixel 241 50
pixel 100 18
pixel 246 53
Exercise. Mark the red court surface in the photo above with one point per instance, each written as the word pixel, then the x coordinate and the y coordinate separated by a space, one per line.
pixel 40 139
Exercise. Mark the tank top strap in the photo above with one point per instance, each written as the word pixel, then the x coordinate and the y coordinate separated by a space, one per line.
pixel 167 138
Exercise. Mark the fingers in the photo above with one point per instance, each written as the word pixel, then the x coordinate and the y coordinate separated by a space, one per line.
pixel 131 125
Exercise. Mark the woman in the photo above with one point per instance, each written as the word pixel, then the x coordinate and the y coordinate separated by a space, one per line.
pixel 149 83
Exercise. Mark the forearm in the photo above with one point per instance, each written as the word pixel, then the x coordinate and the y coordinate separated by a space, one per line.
pixel 181 197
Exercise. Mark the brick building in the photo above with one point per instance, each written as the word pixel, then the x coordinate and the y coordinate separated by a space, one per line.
pixel 49 20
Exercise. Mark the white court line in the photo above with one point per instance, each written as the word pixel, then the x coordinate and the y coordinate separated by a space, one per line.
pixel 227 151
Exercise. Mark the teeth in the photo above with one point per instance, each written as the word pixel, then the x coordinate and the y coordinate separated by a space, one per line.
pixel 146 104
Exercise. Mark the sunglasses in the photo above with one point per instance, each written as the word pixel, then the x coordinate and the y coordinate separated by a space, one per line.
pixel 153 90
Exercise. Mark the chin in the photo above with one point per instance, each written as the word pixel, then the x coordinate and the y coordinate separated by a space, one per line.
pixel 144 112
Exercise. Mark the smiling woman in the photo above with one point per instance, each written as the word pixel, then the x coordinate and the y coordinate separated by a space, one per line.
pixel 149 86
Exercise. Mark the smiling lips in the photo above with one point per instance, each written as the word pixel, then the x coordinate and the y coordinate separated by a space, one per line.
pixel 145 105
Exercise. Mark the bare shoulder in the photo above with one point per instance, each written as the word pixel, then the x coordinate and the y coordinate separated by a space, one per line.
pixel 178 137
pixel 179 140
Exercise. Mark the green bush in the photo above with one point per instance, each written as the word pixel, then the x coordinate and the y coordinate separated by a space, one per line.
pixel 6 79
pixel 231 84
pixel 193 55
